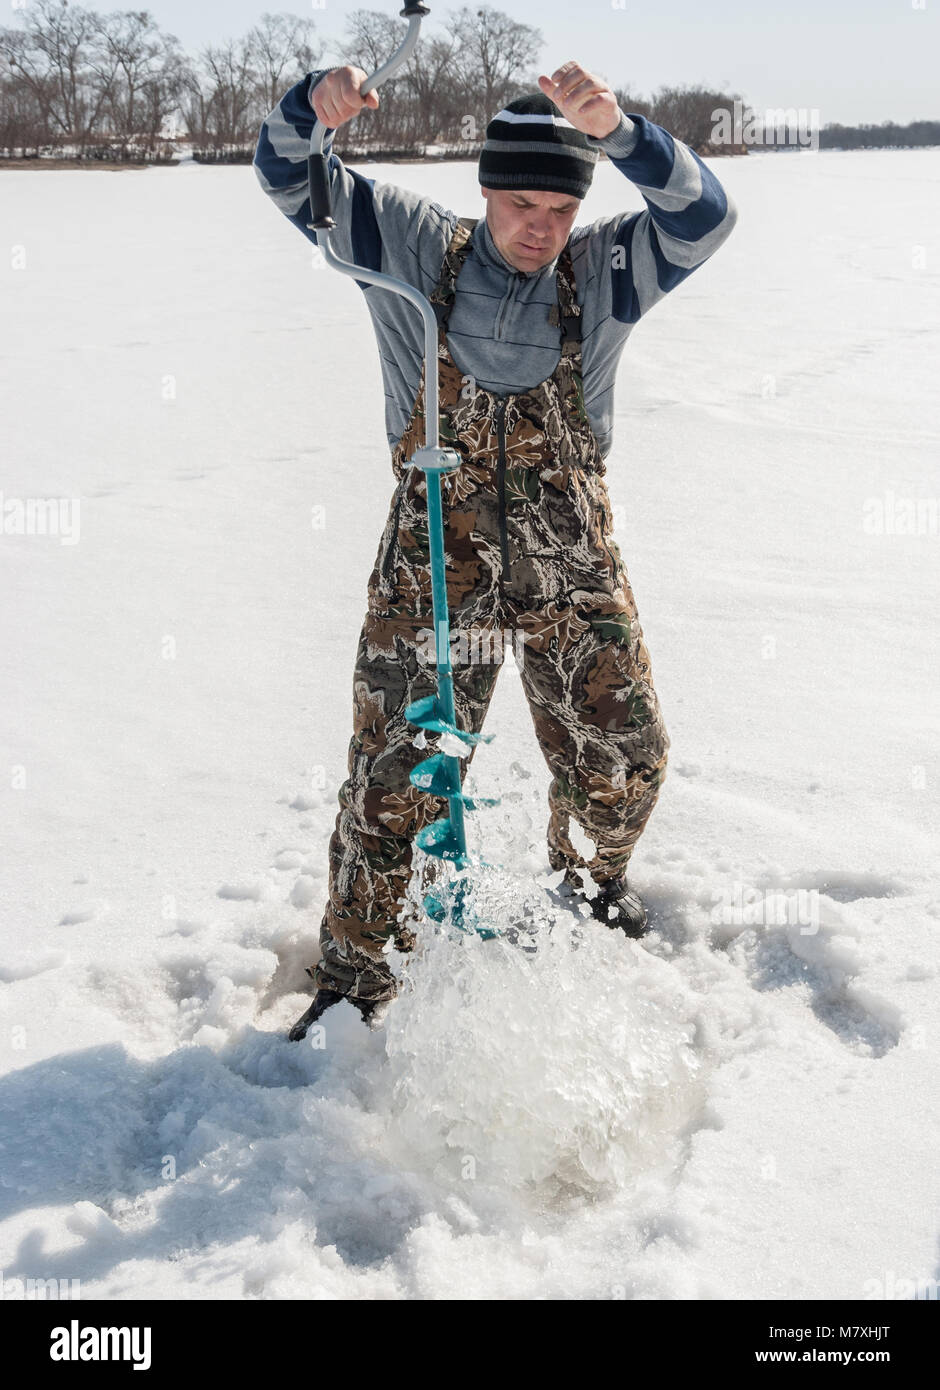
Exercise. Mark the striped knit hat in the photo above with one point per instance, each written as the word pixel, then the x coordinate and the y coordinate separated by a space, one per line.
pixel 529 144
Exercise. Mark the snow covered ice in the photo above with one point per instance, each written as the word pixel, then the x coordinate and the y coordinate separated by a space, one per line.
pixel 745 1104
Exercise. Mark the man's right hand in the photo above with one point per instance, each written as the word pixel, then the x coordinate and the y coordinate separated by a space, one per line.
pixel 336 99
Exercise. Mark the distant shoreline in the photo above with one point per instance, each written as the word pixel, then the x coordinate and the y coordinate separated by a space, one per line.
pixel 109 166
pixel 118 166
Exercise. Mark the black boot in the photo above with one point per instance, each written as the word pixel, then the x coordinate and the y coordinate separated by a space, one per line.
pixel 366 977
pixel 371 1011
pixel 323 999
pixel 615 904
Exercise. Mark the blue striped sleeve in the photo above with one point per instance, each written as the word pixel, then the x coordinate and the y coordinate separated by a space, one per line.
pixel 281 166
pixel 689 215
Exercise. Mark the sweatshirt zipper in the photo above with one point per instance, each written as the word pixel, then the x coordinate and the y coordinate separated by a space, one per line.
pixel 508 299
pixel 501 486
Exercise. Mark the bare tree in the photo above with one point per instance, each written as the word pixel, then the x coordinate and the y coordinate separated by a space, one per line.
pixel 219 101
pixel 468 71
pixel 494 50
pixel 23 124
pixel 58 59
pixel 435 96
pixel 686 112
pixel 161 95
pixel 283 48
pixel 628 102
pixel 144 89
pixel 370 39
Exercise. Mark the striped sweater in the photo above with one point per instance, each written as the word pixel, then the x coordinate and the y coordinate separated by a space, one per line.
pixel 499 331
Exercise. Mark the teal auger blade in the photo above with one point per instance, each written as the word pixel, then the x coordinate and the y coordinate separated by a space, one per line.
pixel 441 839
pixel 429 714
pixel 439 775
pixel 437 906
pixel 433 906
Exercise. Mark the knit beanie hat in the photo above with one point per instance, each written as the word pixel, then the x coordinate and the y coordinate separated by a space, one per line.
pixel 529 144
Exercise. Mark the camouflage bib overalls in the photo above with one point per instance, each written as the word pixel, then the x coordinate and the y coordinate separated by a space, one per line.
pixel 531 561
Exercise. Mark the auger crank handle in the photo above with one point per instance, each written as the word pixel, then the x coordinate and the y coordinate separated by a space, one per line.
pixel 318 174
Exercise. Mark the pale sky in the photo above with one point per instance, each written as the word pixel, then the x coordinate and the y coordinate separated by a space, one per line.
pixel 853 60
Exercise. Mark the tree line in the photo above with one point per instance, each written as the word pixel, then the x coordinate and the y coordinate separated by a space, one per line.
pixel 888 135
pixel 78 84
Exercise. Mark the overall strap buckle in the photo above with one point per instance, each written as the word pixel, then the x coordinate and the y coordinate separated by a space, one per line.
pixel 567 312
pixel 570 326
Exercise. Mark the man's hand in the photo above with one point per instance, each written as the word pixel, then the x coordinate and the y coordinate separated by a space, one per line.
pixel 336 99
pixel 583 99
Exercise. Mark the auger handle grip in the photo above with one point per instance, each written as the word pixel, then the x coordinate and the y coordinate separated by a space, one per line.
pixel 318 174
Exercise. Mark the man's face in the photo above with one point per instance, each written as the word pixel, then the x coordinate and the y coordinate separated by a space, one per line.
pixel 529 227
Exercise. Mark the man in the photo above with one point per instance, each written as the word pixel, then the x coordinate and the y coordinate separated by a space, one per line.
pixel 520 299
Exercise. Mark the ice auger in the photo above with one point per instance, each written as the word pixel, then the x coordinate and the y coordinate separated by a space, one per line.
pixel 439 774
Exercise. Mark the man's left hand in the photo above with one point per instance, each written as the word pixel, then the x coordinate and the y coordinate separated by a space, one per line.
pixel 583 99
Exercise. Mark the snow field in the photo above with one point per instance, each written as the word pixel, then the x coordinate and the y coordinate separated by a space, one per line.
pixel 740 1106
